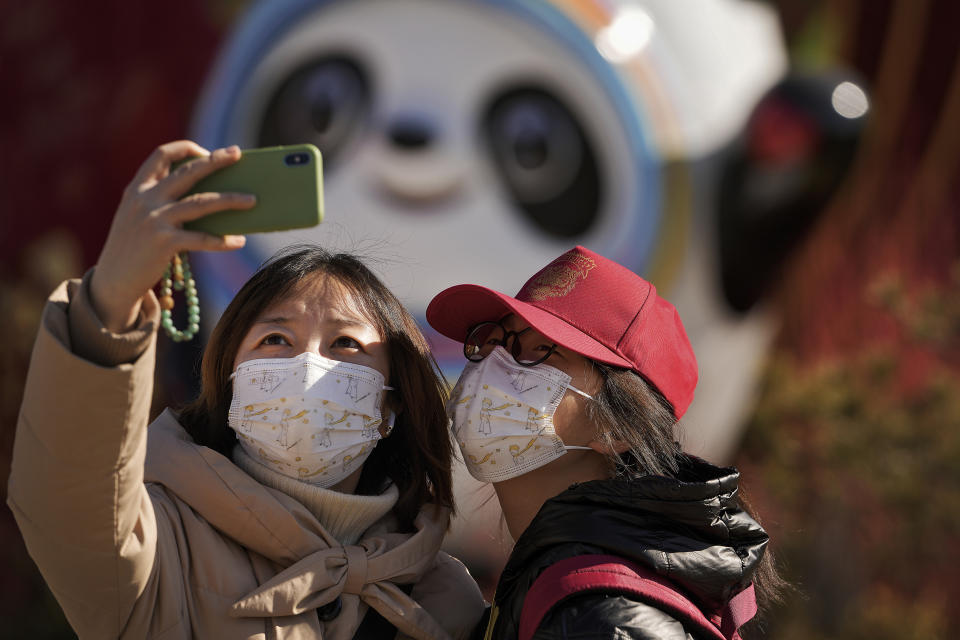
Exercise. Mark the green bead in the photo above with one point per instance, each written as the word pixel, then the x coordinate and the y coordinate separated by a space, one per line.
pixel 184 282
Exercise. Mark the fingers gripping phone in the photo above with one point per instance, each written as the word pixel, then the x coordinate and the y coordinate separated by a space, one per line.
pixel 288 184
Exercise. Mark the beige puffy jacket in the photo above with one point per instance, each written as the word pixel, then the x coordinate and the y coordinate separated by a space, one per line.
pixel 141 533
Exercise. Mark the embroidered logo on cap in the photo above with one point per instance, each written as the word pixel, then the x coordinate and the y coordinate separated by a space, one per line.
pixel 558 278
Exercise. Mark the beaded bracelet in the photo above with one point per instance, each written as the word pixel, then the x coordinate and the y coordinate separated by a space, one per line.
pixel 182 281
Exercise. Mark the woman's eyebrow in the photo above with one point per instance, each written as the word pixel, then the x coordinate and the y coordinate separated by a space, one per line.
pixel 336 321
pixel 345 317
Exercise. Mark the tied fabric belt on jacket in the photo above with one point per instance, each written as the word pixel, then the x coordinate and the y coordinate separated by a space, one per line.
pixel 367 571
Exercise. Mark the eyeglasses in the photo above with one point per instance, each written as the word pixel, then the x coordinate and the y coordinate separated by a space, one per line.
pixel 485 336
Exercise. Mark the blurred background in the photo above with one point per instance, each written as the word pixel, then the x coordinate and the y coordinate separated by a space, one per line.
pixel 786 172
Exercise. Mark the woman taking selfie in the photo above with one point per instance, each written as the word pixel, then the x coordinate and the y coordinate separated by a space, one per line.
pixel 568 406
pixel 303 494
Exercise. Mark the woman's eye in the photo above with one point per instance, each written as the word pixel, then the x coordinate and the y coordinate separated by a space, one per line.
pixel 343 342
pixel 274 339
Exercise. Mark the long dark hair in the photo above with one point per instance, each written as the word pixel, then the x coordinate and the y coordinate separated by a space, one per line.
pixel 417 455
pixel 629 409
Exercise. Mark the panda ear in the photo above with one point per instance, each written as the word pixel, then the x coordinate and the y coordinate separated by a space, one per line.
pixel 778 177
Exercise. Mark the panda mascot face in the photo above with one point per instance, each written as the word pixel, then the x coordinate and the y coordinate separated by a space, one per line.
pixel 476 140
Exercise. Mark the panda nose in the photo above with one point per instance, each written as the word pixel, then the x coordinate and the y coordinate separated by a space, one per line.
pixel 411 133
pixel 416 163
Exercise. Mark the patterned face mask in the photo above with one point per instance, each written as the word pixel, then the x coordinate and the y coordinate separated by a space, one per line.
pixel 308 417
pixel 502 416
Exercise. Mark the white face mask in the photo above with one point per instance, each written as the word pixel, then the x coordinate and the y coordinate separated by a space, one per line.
pixel 308 417
pixel 502 415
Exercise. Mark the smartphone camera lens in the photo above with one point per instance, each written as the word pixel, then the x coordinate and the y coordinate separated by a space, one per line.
pixel 296 159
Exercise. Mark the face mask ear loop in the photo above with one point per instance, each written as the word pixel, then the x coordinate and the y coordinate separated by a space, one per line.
pixel 588 397
pixel 575 390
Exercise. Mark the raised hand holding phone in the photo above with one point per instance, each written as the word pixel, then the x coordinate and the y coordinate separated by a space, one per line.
pixel 147 229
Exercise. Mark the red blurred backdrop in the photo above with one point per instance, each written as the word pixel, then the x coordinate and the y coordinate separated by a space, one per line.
pixel 853 452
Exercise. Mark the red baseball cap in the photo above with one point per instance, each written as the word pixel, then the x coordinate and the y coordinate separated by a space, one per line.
pixel 592 306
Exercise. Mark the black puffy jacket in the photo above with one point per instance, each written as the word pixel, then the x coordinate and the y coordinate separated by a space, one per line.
pixel 688 529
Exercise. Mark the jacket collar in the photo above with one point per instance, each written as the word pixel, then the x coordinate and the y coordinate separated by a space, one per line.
pixel 688 528
pixel 283 531
pixel 261 519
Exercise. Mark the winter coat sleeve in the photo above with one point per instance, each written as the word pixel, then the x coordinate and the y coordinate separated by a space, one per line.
pixel 76 483
pixel 603 617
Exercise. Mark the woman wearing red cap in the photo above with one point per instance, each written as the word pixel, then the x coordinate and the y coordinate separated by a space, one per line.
pixel 568 406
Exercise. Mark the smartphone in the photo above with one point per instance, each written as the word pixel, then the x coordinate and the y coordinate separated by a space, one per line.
pixel 288 183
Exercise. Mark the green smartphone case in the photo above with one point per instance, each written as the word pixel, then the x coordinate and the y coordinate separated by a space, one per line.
pixel 288 183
